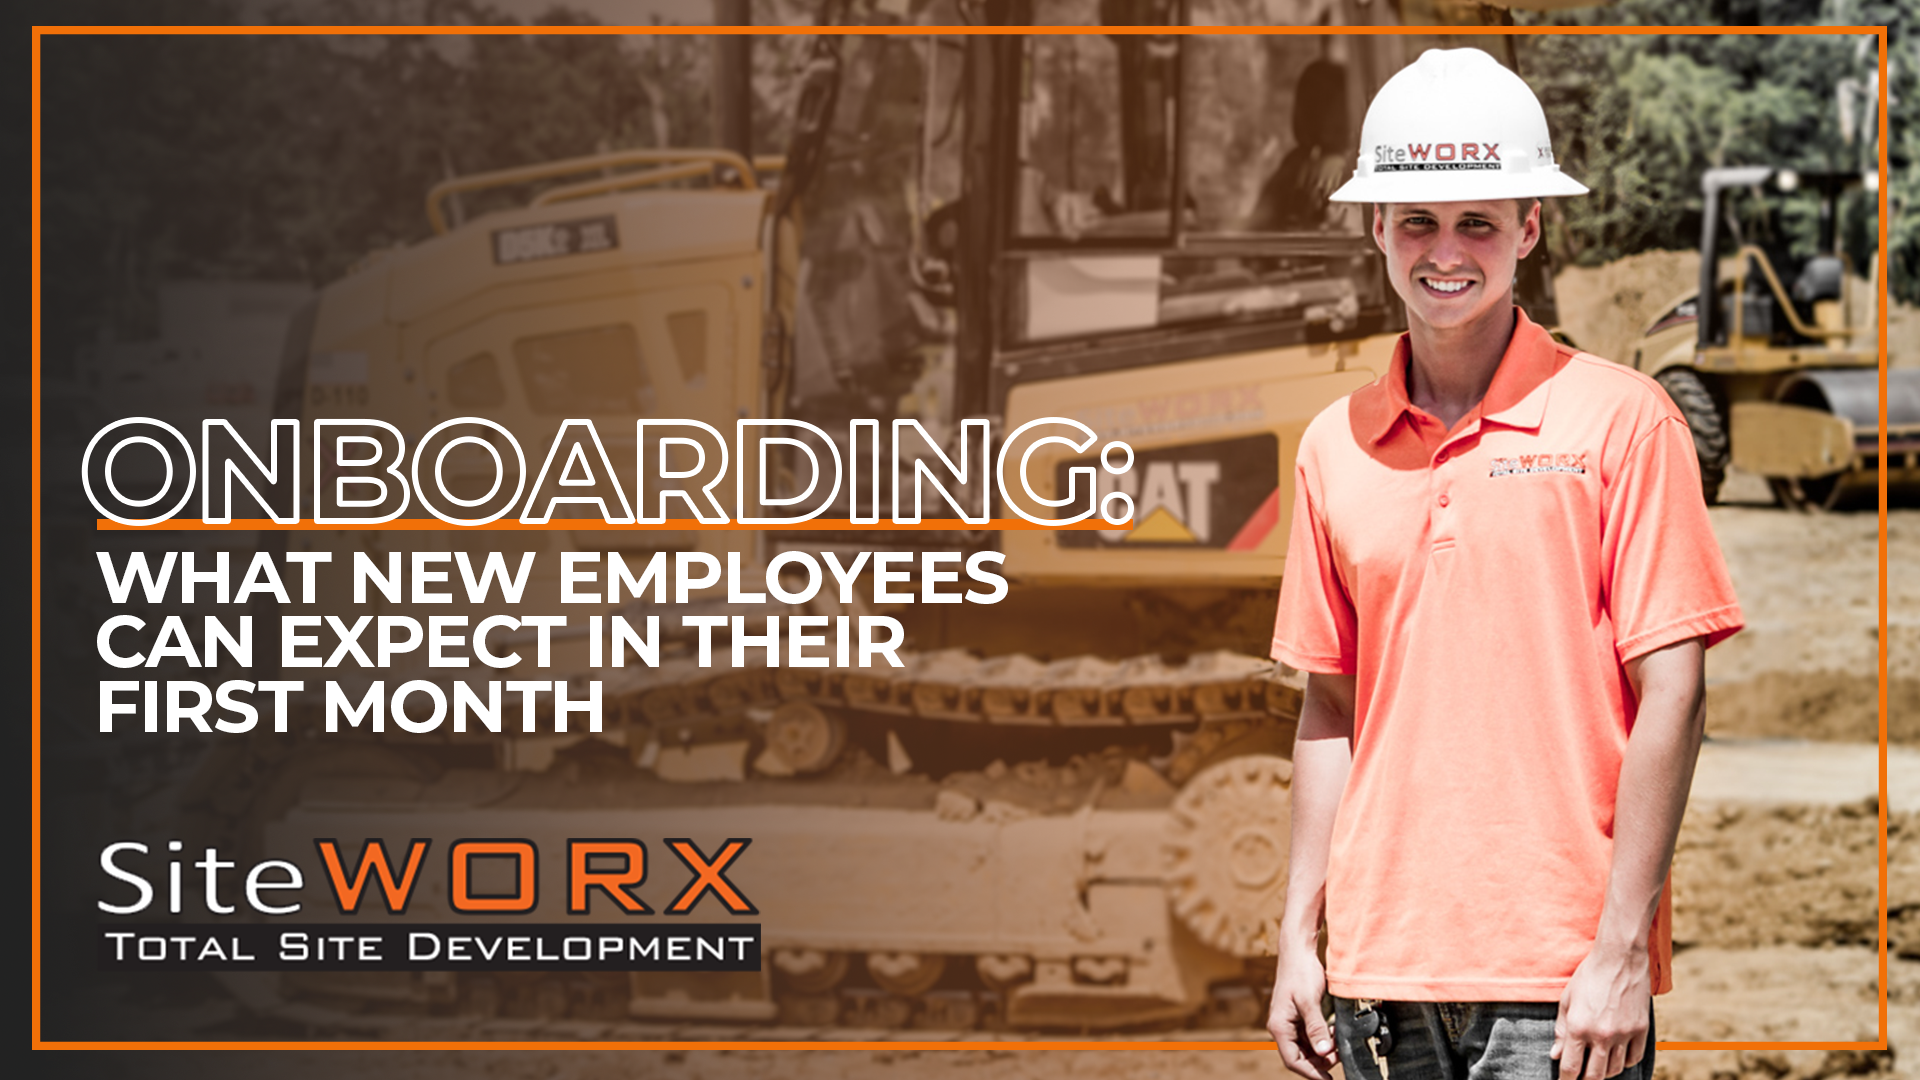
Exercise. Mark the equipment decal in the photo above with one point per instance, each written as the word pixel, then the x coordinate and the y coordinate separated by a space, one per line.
pixel 1210 495
pixel 555 239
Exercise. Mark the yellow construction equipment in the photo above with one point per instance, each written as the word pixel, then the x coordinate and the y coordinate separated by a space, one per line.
pixel 1774 371
pixel 1067 810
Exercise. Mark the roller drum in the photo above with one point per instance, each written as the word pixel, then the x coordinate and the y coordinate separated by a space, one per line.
pixel 1853 394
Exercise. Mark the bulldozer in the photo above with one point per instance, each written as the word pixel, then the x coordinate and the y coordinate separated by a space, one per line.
pixel 1766 360
pixel 1064 811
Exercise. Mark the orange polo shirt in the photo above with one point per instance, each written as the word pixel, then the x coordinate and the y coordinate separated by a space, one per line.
pixel 1486 586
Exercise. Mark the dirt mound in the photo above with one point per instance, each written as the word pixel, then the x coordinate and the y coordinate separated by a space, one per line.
pixel 1747 876
pixel 1806 665
pixel 1605 308
pixel 1725 995
pixel 1777 1064
pixel 1829 706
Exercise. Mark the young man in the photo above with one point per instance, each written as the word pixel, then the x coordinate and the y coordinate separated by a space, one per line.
pixel 1501 581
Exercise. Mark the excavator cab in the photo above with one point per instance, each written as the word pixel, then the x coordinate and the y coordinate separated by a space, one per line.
pixel 1146 244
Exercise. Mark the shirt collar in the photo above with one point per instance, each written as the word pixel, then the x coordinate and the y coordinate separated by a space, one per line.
pixel 1517 397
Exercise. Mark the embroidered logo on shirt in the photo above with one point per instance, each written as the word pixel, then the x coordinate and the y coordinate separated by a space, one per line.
pixel 1539 463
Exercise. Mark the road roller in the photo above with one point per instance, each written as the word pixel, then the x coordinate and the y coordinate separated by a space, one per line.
pixel 1775 374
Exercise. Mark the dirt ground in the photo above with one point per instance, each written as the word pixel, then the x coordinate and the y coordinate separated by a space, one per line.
pixel 1774 901
pixel 1805 666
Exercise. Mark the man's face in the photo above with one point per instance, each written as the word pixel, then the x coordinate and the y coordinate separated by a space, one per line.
pixel 1453 262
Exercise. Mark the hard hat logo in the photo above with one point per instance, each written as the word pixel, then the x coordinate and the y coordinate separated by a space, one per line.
pixel 1428 157
pixel 1447 151
pixel 1413 145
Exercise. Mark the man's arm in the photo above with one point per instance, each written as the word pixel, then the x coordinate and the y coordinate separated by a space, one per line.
pixel 1603 1012
pixel 1322 754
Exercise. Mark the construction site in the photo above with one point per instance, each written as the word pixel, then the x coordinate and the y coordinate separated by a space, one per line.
pixel 1062 817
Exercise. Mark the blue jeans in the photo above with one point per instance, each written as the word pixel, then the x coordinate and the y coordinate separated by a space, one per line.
pixel 1463 1041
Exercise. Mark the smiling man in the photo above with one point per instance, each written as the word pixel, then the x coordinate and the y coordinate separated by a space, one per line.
pixel 1501 580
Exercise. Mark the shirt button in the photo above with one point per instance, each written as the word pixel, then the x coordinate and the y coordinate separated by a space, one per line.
pixel 1441 457
pixel 1443 500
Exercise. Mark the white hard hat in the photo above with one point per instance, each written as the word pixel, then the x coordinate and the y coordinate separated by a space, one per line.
pixel 1455 126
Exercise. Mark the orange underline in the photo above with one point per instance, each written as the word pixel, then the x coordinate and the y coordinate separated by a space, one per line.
pixel 1882 658
pixel 940 31
pixel 1758 1045
pixel 818 1044
pixel 585 525
pixel 34 542
pixel 728 1045
pixel 996 525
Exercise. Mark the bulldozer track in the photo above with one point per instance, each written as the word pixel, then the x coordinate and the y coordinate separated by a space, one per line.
pixel 1204 702
pixel 1213 706
pixel 955 685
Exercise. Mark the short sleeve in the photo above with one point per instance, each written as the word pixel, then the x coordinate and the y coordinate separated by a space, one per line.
pixel 1666 581
pixel 1314 628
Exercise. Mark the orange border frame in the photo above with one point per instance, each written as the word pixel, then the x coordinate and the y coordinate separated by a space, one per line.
pixel 1878 32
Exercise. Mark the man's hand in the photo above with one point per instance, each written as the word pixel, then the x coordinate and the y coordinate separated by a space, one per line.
pixel 1602 1026
pixel 1294 1021
pixel 1322 754
pixel 1603 1014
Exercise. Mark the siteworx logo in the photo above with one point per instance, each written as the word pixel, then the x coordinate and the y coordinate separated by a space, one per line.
pixel 1539 463
pixel 617 882
pixel 611 870
pixel 497 878
pixel 1452 151
pixel 1390 158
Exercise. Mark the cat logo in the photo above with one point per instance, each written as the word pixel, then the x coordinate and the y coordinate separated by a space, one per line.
pixel 1172 502
pixel 1223 495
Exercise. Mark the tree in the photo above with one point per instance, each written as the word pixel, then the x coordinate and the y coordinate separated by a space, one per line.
pixel 1640 117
